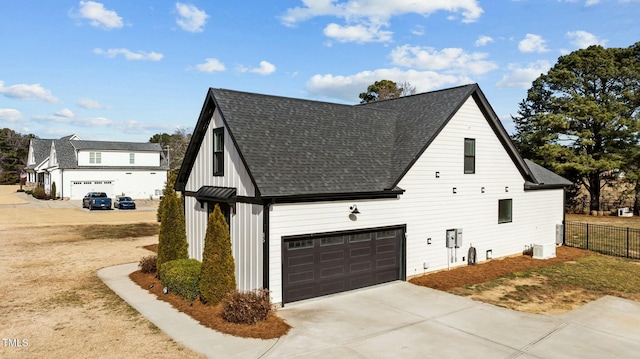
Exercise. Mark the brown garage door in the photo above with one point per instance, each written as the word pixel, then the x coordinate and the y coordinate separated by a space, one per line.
pixel 322 264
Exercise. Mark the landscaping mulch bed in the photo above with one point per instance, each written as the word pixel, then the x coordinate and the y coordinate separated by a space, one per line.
pixel 486 271
pixel 210 316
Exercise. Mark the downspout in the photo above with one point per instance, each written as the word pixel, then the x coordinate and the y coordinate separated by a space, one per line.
pixel 265 245
pixel 62 184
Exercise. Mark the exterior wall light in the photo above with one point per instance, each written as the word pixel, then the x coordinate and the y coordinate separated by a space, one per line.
pixel 354 209
pixel 482 189
pixel 506 189
pixel 455 190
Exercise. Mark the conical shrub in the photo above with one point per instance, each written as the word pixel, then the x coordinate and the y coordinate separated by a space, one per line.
pixel 172 239
pixel 218 269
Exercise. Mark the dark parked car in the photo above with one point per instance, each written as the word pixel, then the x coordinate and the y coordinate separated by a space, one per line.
pixel 95 200
pixel 124 202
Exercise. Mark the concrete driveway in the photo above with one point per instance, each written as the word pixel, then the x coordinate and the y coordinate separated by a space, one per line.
pixel 400 320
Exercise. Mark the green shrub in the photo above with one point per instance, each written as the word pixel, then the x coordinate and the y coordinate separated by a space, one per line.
pixel 39 193
pixel 53 191
pixel 246 307
pixel 172 237
pixel 148 264
pixel 182 276
pixel 218 268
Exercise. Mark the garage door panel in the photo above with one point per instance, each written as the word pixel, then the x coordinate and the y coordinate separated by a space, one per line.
pixel 301 277
pixel 327 264
pixel 386 263
pixel 329 256
pixel 336 271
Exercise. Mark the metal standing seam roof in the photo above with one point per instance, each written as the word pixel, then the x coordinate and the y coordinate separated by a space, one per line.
pixel 220 194
pixel 296 147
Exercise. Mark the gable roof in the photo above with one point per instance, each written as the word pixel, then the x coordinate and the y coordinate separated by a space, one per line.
pixel 296 147
pixel 41 149
pixel 67 146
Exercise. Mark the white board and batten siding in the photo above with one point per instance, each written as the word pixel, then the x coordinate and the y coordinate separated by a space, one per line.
pixel 246 225
pixel 429 207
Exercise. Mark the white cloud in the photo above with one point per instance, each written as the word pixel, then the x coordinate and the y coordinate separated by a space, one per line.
pixel 583 39
pixel 97 121
pixel 65 112
pixel 418 30
pixel 365 18
pixel 265 68
pixel 591 2
pixel 130 55
pixel 190 18
pixel 98 16
pixel 483 40
pixel 357 33
pixel 379 10
pixel 532 43
pixel 523 76
pixel 10 115
pixel 451 60
pixel 89 104
pixel 211 65
pixel 347 88
pixel 28 92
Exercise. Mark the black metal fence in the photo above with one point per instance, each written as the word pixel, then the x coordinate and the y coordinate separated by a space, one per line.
pixel 615 241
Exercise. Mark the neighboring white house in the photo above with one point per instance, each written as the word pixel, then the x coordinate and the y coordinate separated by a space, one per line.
pixel 324 197
pixel 138 170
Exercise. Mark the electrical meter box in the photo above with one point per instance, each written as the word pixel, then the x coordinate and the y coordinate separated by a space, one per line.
pixel 454 238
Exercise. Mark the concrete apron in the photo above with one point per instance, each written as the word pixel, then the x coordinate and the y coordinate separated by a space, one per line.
pixel 400 320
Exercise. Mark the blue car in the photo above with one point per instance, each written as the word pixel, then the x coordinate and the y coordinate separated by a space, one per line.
pixel 124 202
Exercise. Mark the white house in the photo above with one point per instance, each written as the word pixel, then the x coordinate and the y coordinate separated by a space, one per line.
pixel 138 170
pixel 323 198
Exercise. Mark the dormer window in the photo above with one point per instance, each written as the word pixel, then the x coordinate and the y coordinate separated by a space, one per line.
pixel 95 157
pixel 218 151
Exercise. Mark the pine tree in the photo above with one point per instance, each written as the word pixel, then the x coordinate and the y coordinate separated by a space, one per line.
pixel 218 268
pixel 172 239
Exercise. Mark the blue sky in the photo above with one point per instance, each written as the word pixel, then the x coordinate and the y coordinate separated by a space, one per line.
pixel 124 70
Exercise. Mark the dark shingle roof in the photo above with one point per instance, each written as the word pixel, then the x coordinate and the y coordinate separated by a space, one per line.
pixel 41 149
pixel 544 177
pixel 115 146
pixel 298 146
pixel 295 147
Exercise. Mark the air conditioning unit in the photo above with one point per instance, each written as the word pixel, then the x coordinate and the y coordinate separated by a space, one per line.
pixel 544 251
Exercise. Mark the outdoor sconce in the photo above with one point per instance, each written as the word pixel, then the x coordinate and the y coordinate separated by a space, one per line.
pixel 455 190
pixel 437 174
pixel 506 189
pixel 482 189
pixel 354 209
pixel 489 254
pixel 428 240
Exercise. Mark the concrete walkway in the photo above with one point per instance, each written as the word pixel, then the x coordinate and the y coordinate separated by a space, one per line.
pixel 400 320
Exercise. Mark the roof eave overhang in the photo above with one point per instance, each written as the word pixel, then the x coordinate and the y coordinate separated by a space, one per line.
pixel 344 196
pixel 528 186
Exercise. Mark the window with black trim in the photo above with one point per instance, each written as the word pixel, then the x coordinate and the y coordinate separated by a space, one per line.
pixel 469 155
pixel 218 151
pixel 505 211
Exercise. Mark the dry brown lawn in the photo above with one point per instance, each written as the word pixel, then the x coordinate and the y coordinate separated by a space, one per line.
pixel 51 296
